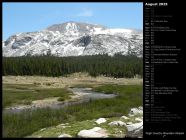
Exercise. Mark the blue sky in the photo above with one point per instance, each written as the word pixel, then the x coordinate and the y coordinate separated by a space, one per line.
pixel 28 17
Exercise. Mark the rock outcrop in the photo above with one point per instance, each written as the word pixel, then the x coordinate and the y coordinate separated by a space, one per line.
pixel 117 123
pixel 135 130
pixel 64 136
pixel 100 120
pixel 75 39
pixel 124 117
pixel 95 132
pixel 136 111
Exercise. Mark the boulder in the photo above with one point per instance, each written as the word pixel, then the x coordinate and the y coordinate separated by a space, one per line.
pixel 64 136
pixel 140 107
pixel 134 126
pixel 124 117
pixel 135 111
pixel 95 132
pixel 36 137
pixel 100 120
pixel 138 133
pixel 129 123
pixel 42 129
pixel 138 119
pixel 117 123
pixel 96 129
pixel 131 115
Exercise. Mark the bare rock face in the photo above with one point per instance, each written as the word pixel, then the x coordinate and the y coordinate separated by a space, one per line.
pixel 75 39
pixel 95 132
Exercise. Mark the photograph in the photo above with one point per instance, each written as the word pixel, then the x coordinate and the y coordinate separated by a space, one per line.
pixel 72 70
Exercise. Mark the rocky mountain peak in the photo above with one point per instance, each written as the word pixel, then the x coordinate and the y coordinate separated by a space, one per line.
pixel 74 39
pixel 74 26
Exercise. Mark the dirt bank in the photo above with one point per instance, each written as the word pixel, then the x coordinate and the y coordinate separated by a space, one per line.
pixel 72 80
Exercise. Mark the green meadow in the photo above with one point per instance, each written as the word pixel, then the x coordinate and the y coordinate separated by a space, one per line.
pixel 27 122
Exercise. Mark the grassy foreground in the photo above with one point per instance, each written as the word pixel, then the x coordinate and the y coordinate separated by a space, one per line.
pixel 25 123
pixel 74 127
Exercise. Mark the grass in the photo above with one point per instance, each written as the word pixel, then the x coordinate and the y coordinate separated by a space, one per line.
pixel 74 127
pixel 71 129
pixel 25 123
pixel 25 94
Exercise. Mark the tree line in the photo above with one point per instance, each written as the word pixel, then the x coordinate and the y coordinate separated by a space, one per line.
pixel 116 66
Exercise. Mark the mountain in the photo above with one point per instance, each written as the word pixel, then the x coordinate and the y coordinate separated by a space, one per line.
pixel 74 39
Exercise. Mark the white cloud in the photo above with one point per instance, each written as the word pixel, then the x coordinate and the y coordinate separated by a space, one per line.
pixel 85 13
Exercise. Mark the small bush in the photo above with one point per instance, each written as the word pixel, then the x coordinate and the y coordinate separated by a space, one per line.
pixel 48 84
pixel 61 99
pixel 36 83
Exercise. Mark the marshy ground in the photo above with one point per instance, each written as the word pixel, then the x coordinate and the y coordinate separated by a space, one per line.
pixel 27 90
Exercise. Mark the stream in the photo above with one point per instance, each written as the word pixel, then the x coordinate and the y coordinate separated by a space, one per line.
pixel 84 95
